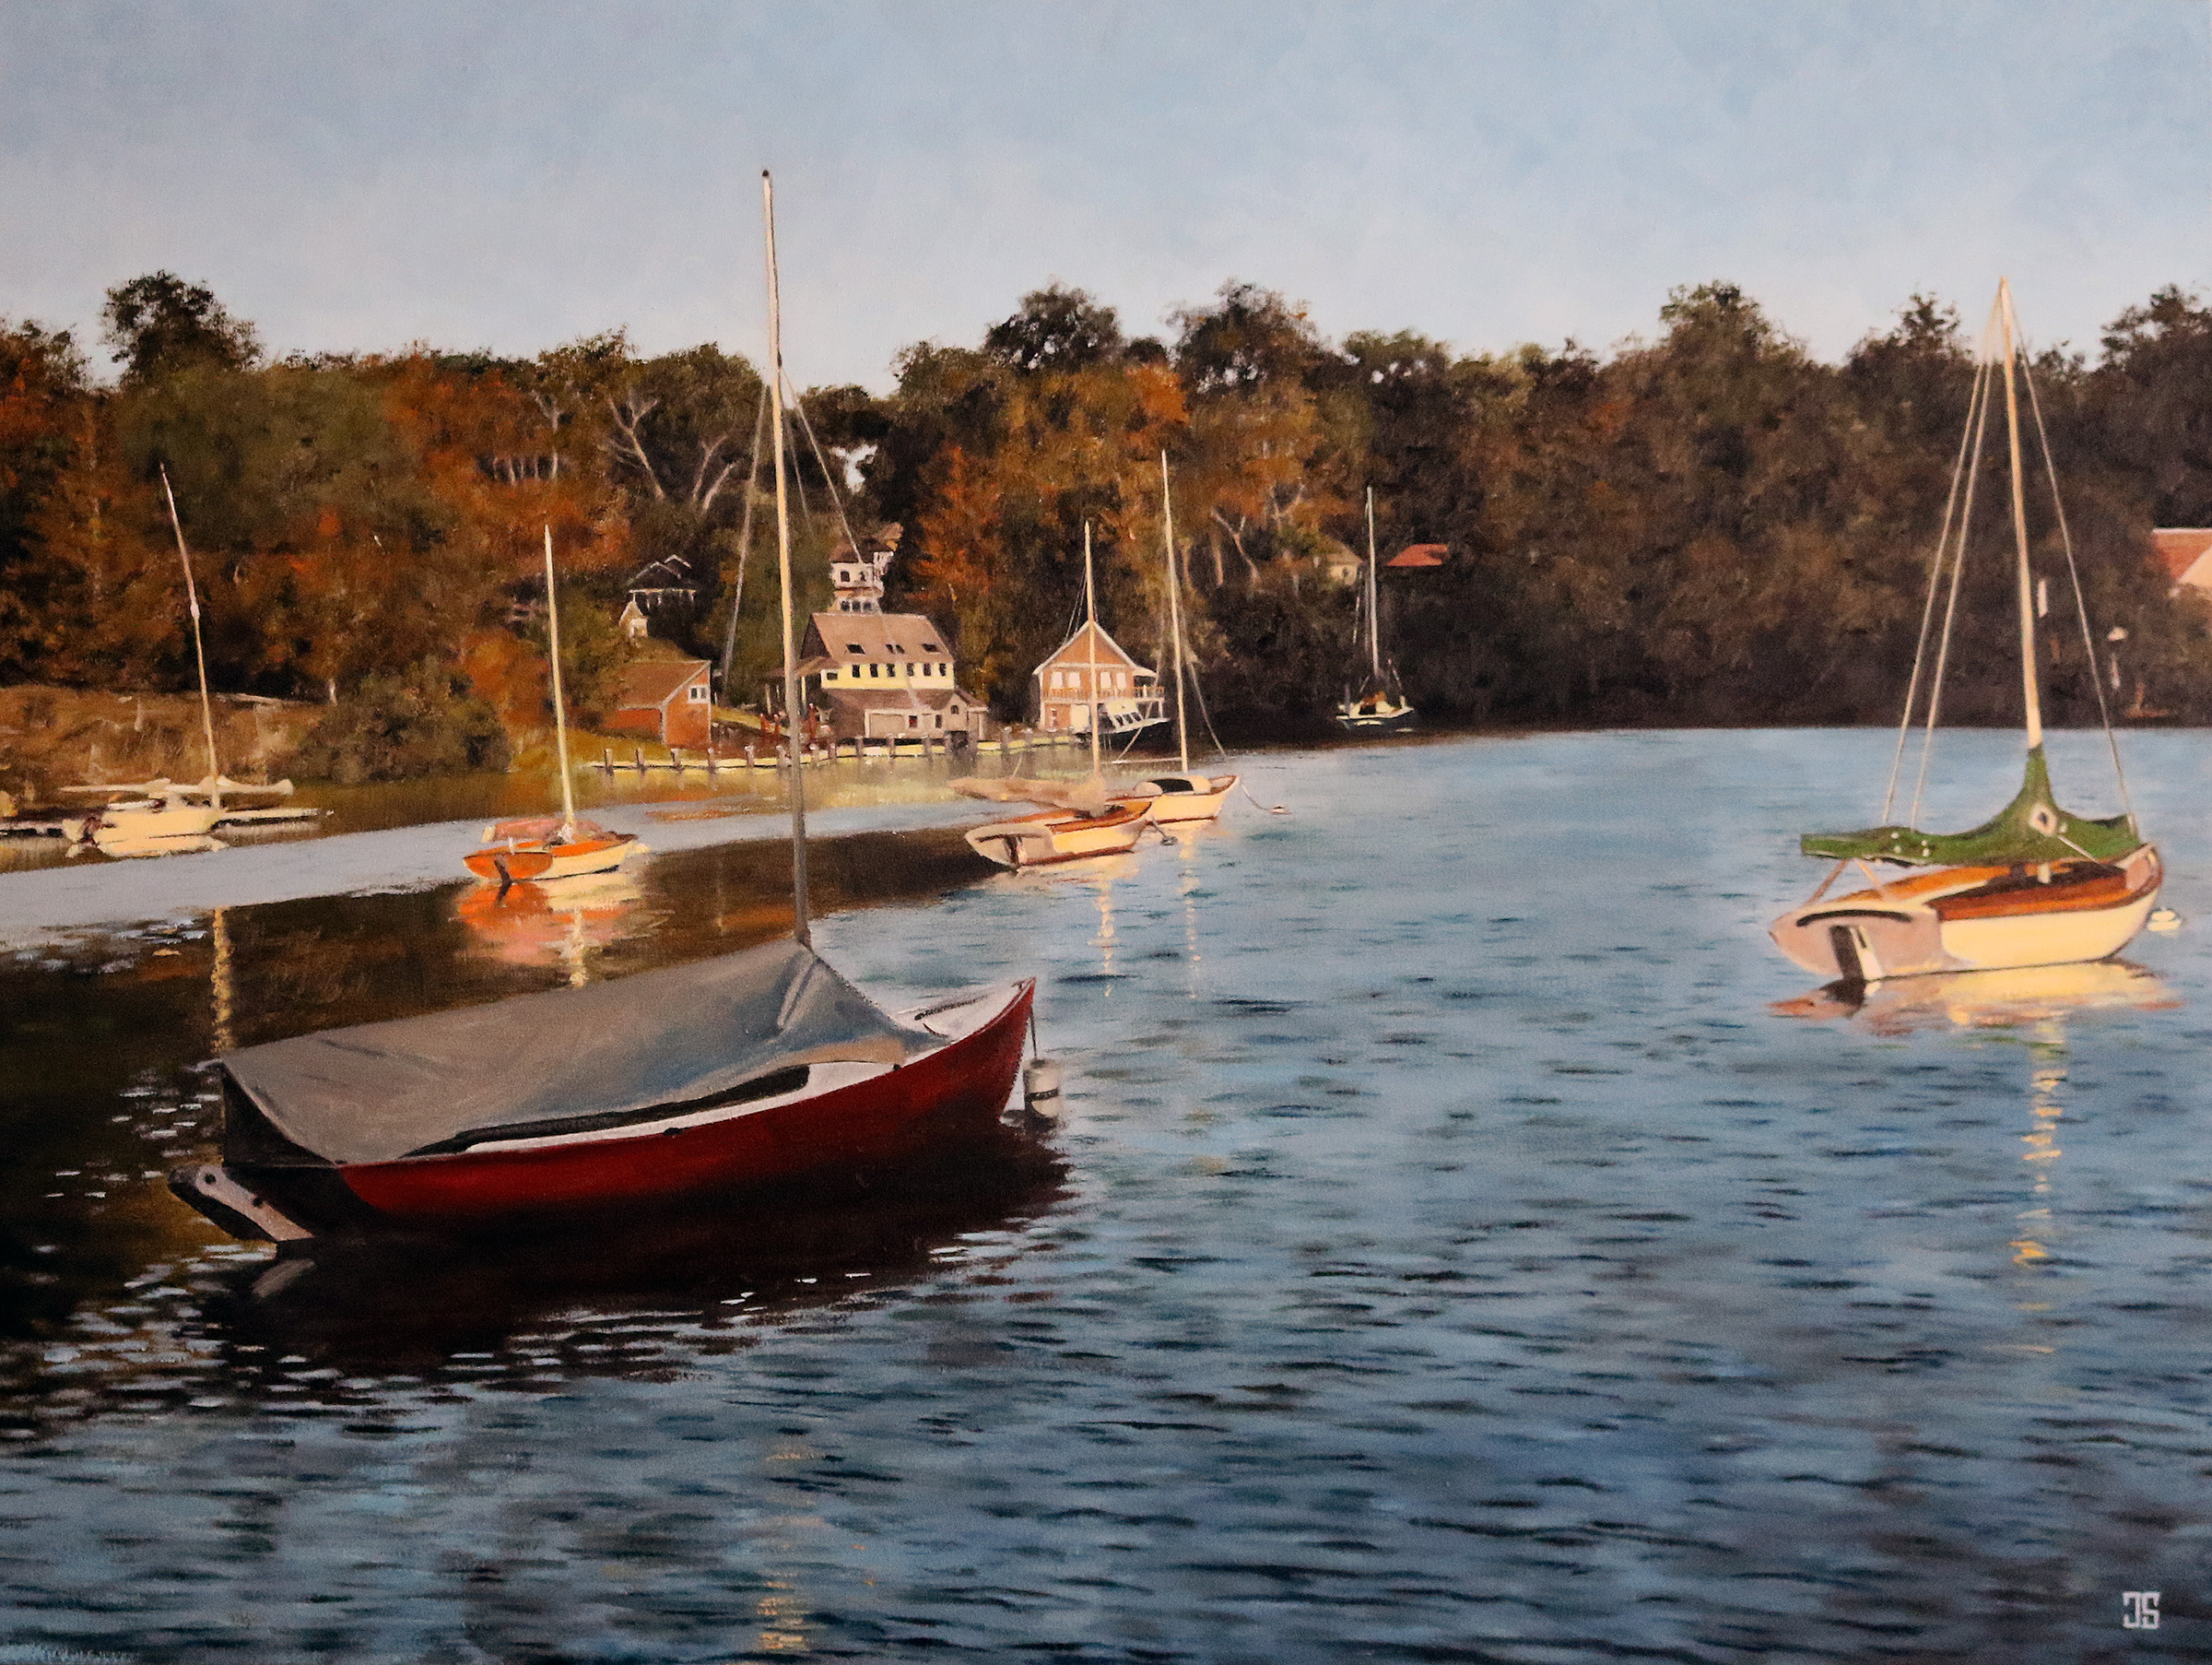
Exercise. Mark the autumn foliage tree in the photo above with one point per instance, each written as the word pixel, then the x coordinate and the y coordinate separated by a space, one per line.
pixel 1706 524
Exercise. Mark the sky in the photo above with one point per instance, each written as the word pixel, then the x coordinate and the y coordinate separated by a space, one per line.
pixel 505 178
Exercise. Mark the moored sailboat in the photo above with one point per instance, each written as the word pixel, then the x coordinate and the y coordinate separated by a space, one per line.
pixel 546 847
pixel 687 1083
pixel 1083 818
pixel 2034 884
pixel 1379 707
pixel 1180 794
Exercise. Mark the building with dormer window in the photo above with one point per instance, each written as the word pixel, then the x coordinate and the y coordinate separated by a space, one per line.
pixel 885 676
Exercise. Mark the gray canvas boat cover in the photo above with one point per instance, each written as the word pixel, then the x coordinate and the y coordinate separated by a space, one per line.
pixel 569 1058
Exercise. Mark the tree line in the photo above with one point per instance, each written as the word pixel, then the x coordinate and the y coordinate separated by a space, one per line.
pixel 1709 525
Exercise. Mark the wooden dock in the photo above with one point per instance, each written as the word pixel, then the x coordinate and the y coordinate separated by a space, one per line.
pixel 720 760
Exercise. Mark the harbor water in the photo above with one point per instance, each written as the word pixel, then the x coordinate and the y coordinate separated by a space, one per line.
pixel 1464 1238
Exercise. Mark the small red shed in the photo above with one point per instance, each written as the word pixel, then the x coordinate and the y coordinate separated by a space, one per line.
pixel 668 699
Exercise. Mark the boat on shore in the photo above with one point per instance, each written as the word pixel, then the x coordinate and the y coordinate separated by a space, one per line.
pixel 2034 885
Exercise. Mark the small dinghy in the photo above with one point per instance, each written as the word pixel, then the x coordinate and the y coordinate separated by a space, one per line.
pixel 549 846
pixel 1056 835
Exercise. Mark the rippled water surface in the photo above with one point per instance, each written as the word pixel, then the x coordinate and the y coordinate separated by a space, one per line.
pixel 1450 1252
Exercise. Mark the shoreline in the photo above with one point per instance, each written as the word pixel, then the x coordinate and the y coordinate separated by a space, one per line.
pixel 41 905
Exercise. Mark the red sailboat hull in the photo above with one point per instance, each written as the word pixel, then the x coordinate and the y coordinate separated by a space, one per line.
pixel 943 1098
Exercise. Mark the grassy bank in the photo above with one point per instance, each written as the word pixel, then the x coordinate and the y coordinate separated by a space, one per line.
pixel 51 738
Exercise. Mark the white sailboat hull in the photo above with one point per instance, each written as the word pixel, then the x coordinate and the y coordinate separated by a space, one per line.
pixel 152 829
pixel 1187 798
pixel 1057 835
pixel 1960 919
pixel 1383 718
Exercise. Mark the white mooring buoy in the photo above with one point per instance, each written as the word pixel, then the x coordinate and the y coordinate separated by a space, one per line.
pixel 1041 1088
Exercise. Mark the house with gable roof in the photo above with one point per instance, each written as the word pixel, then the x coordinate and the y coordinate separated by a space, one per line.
pixel 1090 672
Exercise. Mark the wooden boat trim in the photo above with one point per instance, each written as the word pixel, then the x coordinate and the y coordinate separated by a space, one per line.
pixel 2099 886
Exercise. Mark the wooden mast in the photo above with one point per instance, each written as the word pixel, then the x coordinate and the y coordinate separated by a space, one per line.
pixel 745 551
pixel 1090 616
pixel 1374 622
pixel 2020 524
pixel 199 651
pixel 560 710
pixel 1167 507
pixel 792 723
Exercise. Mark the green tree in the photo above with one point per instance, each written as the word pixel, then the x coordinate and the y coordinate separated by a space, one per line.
pixel 160 324
pixel 1057 329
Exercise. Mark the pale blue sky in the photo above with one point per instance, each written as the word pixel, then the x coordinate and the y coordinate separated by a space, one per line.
pixel 508 176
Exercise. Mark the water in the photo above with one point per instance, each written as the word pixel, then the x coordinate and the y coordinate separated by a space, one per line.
pixel 1449 1254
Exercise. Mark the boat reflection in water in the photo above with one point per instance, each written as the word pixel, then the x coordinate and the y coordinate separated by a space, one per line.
pixel 2038 1000
pixel 563 922
pixel 1991 999
pixel 536 1308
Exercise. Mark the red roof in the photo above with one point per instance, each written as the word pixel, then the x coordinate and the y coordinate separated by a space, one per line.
pixel 1419 555
pixel 2181 548
pixel 654 682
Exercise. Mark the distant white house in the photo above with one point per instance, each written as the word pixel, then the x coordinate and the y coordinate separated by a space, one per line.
pixel 857 575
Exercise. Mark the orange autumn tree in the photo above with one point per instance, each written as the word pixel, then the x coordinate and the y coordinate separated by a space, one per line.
pixel 1055 423
pixel 962 571
pixel 502 466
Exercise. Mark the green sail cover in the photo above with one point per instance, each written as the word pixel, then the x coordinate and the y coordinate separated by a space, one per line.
pixel 2032 828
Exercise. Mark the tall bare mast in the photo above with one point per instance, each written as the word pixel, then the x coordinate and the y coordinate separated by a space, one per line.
pixel 199 652
pixel 1091 618
pixel 1374 622
pixel 792 723
pixel 560 706
pixel 1167 510
pixel 2009 324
